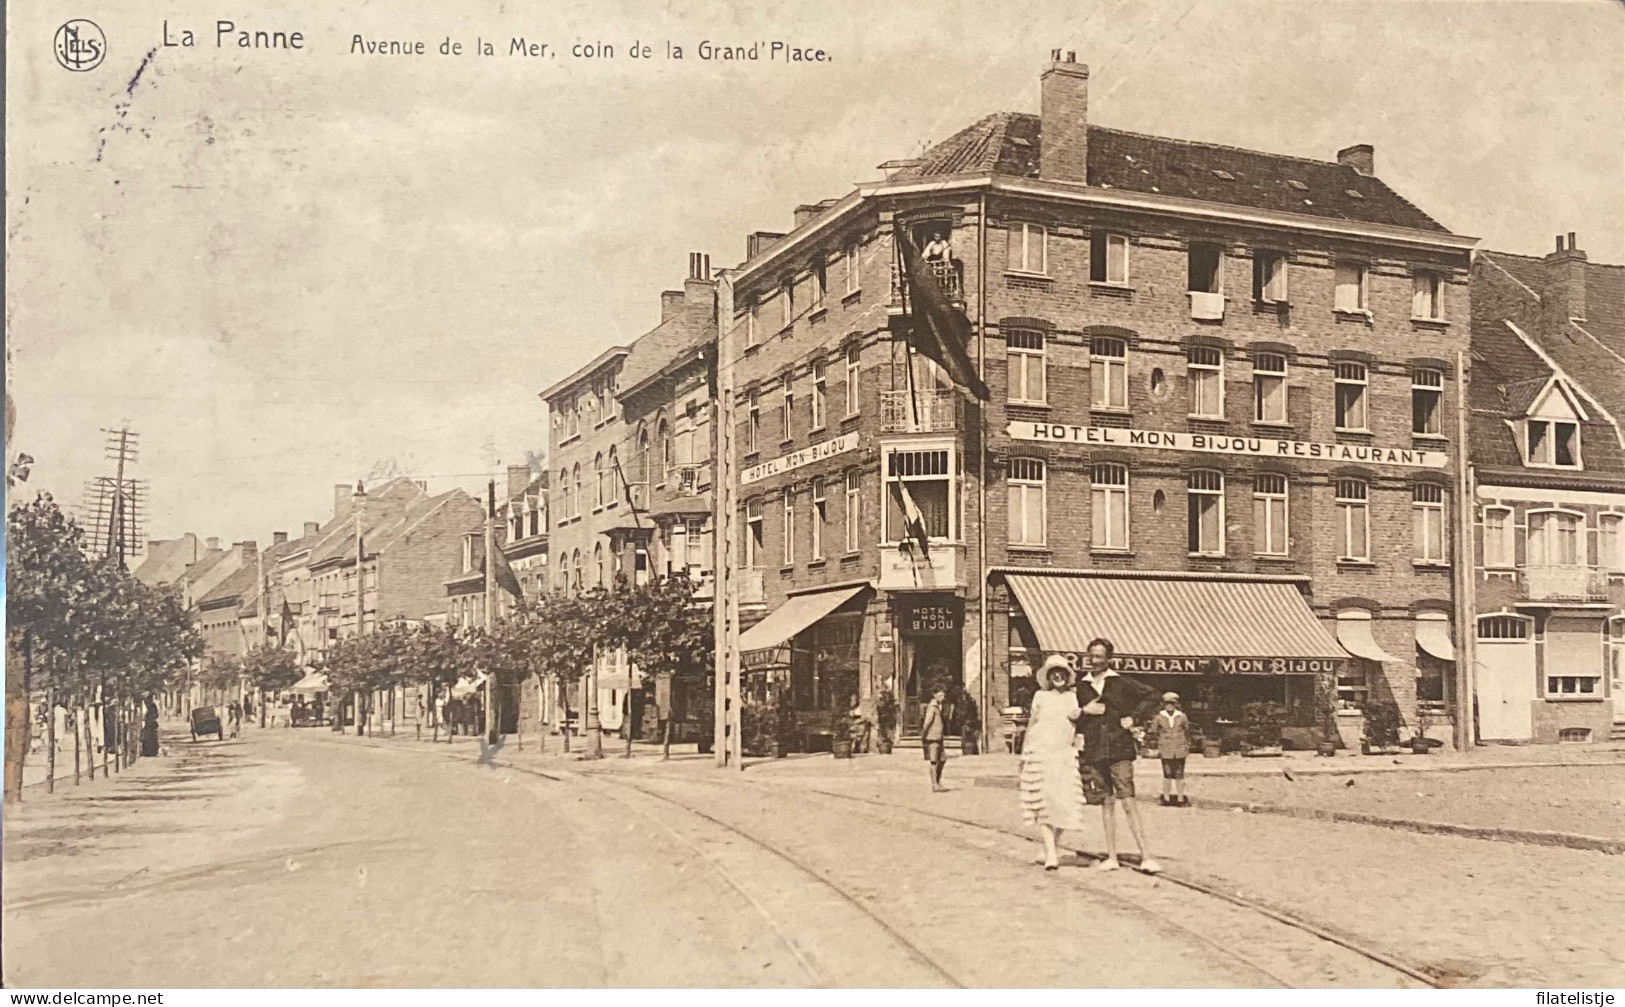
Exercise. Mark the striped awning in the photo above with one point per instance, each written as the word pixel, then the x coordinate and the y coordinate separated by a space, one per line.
pixel 795 615
pixel 1173 617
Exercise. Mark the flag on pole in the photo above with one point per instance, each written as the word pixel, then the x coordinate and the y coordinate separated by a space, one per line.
pixel 506 579
pixel 913 517
pixel 287 621
pixel 941 331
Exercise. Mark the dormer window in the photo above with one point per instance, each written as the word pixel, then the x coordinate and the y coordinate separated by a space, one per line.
pixel 1554 443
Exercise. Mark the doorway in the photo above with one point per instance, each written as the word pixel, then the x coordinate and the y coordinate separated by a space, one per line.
pixel 931 661
pixel 1506 679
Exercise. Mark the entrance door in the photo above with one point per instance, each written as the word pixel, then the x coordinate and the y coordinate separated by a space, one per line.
pixel 1506 679
pixel 934 660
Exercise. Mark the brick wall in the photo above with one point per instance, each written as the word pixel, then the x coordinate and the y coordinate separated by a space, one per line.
pixel 411 572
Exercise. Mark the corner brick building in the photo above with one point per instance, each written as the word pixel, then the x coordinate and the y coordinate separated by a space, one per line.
pixel 1222 429
pixel 1548 452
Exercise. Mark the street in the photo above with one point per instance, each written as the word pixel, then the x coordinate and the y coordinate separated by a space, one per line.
pixel 301 858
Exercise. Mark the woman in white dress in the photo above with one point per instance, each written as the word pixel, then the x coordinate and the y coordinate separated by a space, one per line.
pixel 1051 788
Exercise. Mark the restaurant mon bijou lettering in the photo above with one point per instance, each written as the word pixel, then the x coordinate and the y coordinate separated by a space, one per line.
pixel 1223 444
pixel 1218 665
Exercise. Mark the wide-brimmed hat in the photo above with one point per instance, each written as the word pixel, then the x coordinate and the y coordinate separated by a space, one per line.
pixel 1052 664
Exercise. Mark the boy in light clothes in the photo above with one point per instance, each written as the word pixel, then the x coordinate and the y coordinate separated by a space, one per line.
pixel 1173 746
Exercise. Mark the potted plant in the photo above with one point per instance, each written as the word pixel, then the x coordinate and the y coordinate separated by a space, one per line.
pixel 1381 729
pixel 840 735
pixel 885 720
pixel 1261 722
pixel 1420 743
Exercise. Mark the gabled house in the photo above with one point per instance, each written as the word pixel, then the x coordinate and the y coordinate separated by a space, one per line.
pixel 1548 454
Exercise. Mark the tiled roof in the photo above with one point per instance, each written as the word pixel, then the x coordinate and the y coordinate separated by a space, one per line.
pixel 240 582
pixel 1010 143
pixel 659 348
pixel 166 561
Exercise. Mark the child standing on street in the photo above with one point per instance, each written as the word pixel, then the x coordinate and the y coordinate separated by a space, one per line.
pixel 933 728
pixel 1173 745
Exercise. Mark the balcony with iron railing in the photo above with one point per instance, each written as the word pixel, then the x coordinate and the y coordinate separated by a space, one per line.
pixel 919 412
pixel 949 274
pixel 1563 584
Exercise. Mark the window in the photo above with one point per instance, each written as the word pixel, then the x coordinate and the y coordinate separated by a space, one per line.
pixel 1571 685
pixel 1108 258
pixel 598 565
pixel 1350 378
pixel 572 420
pixel 1108 499
pixel 516 523
pixel 668 451
pixel 820 394
pixel 820 517
pixel 1427 296
pixel 789 525
pixel 564 494
pixel 1427 388
pixel 1205 269
pixel 854 506
pixel 753 534
pixel 1024 353
pixel 1498 538
pixel 1269 388
pixel 1269 277
pixel 695 543
pixel 1502 627
pixel 852 278
pixel 1026 486
pixel 1108 373
pixel 787 302
pixel 1270 514
pixel 1554 539
pixel 787 406
pixel 1028 249
pixel 1354 514
pixel 1351 291
pixel 536 516
pixel 753 422
pixel 576 472
pixel 852 380
pixel 752 335
pixel 820 282
pixel 1610 546
pixel 919 494
pixel 1554 443
pixel 1351 685
pixel 1427 523
pixel 600 487
pixel 1204 492
pixel 1204 368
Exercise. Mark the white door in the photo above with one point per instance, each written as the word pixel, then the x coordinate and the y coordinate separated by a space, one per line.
pixel 1506 680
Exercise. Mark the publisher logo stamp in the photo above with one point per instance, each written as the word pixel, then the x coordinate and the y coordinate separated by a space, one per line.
pixel 80 45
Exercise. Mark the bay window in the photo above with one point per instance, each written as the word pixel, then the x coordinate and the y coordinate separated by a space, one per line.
pixel 919 494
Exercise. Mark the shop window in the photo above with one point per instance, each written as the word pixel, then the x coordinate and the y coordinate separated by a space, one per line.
pixel 1430 678
pixel 1108 499
pixel 1204 369
pixel 1354 516
pixel 1269 388
pixel 1427 389
pixel 1108 373
pixel 919 493
pixel 1352 691
pixel 1427 523
pixel 1498 538
pixel 1270 534
pixel 1205 497
pixel 1350 382
pixel 1026 501
pixel 1024 356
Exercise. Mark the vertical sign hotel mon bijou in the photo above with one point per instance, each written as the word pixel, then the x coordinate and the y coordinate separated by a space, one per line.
pixel 1221 444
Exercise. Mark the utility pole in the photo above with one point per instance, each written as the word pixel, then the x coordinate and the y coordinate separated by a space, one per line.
pixel 358 504
pixel 490 607
pixel 1464 732
pixel 725 604
pixel 112 505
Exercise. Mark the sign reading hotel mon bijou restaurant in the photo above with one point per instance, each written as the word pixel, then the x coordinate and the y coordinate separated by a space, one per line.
pixel 797 459
pixel 1221 665
pixel 1225 444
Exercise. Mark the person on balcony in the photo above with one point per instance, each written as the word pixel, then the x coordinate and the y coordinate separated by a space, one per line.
pixel 938 249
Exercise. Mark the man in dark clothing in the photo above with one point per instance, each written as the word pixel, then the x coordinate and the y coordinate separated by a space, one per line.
pixel 1111 704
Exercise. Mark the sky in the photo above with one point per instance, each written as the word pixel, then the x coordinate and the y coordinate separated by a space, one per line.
pixel 291 269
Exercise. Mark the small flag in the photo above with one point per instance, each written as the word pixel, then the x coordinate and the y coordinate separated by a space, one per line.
pixel 506 579
pixel 914 519
pixel 941 331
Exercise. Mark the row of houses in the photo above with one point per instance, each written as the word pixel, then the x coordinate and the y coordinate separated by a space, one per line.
pixel 1259 419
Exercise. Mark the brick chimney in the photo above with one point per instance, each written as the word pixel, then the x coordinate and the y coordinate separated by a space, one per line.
pixel 279 538
pixel 1361 157
pixel 248 550
pixel 311 528
pixel 699 291
pixel 341 497
pixel 671 302
pixel 758 242
pixel 518 479
pixel 1063 110
pixel 1565 290
pixel 211 544
pixel 806 212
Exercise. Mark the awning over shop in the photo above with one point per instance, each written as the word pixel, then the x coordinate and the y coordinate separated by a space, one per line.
pixel 1265 626
pixel 1433 636
pixel 466 687
pixel 795 615
pixel 311 684
pixel 1354 633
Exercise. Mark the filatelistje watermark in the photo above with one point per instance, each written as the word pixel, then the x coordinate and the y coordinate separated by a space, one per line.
pixel 1600 999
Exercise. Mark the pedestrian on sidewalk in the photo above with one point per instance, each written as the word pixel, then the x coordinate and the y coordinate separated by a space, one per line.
pixel 234 716
pixel 1051 788
pixel 857 728
pixel 932 730
pixel 1111 704
pixel 1173 731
